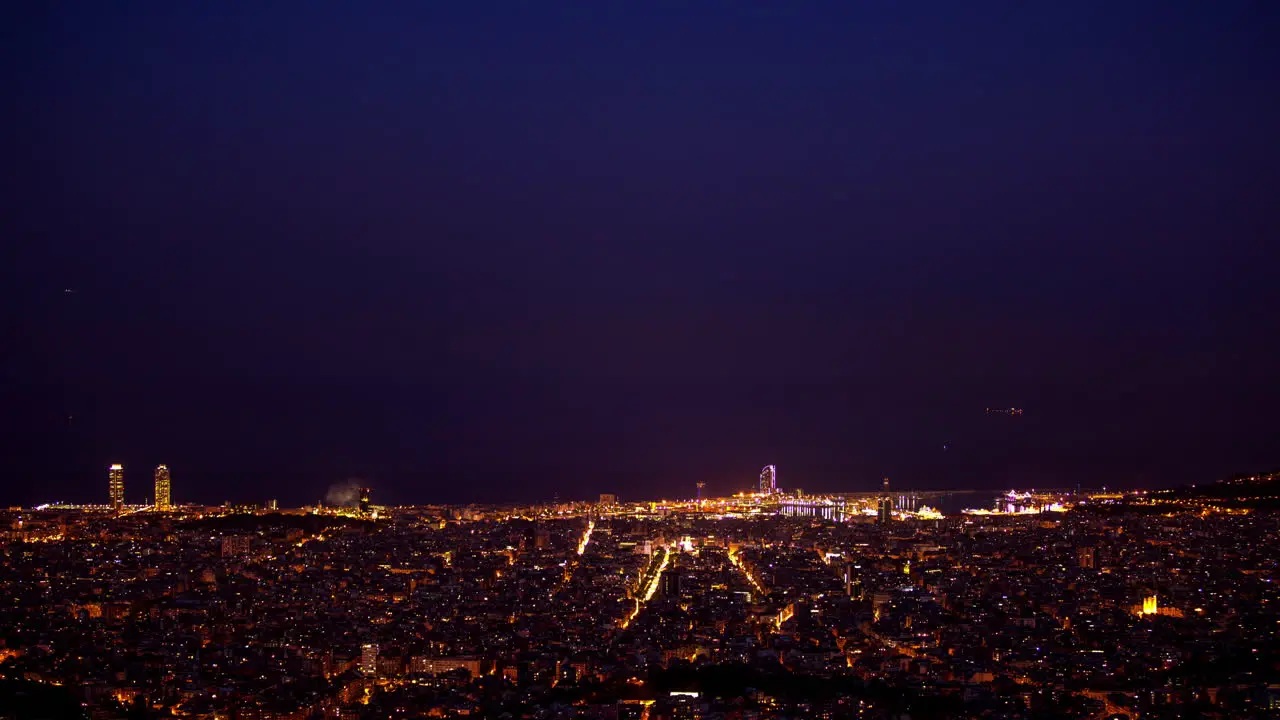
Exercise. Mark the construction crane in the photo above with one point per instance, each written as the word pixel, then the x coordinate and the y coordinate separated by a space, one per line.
pixel 1004 411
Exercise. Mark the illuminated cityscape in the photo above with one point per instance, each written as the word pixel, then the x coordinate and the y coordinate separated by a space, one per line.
pixel 641 361
pixel 765 603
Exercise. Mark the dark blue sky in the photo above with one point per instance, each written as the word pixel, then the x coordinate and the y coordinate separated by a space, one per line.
pixel 478 251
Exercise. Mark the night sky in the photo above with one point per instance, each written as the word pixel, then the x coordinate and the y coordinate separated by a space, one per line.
pixel 477 251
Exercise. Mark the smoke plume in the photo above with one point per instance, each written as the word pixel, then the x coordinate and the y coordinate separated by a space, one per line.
pixel 343 494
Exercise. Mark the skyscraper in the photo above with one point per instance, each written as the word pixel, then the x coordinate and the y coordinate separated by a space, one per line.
pixel 115 485
pixel 885 510
pixel 769 480
pixel 162 487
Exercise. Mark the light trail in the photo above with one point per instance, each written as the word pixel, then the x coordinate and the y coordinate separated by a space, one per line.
pixel 784 615
pixel 650 590
pixel 657 576
pixel 736 560
pixel 586 537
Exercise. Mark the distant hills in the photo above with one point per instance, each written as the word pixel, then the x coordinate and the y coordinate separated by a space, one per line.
pixel 1260 491
pixel 1259 486
pixel 1257 491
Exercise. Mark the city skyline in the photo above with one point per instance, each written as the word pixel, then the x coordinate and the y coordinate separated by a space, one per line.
pixel 161 497
pixel 883 502
pixel 1066 605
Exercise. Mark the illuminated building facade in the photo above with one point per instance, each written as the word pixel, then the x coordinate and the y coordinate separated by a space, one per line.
pixel 163 499
pixel 437 665
pixel 115 485
pixel 235 545
pixel 369 659
pixel 769 480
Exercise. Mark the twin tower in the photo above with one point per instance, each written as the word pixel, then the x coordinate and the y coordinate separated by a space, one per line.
pixel 115 486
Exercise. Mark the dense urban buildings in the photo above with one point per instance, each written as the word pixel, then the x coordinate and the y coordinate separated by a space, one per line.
pixel 1012 255
pixel 761 605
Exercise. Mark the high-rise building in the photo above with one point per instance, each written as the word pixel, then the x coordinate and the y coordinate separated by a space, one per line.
pixel 369 659
pixel 884 512
pixel 163 498
pixel 364 499
pixel 115 485
pixel 769 480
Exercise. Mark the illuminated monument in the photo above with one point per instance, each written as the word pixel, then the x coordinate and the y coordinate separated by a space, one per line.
pixel 769 480
pixel 163 498
pixel 115 485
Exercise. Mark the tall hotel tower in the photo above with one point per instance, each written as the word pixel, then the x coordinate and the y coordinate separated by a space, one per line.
pixel 162 487
pixel 115 485
pixel 769 480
